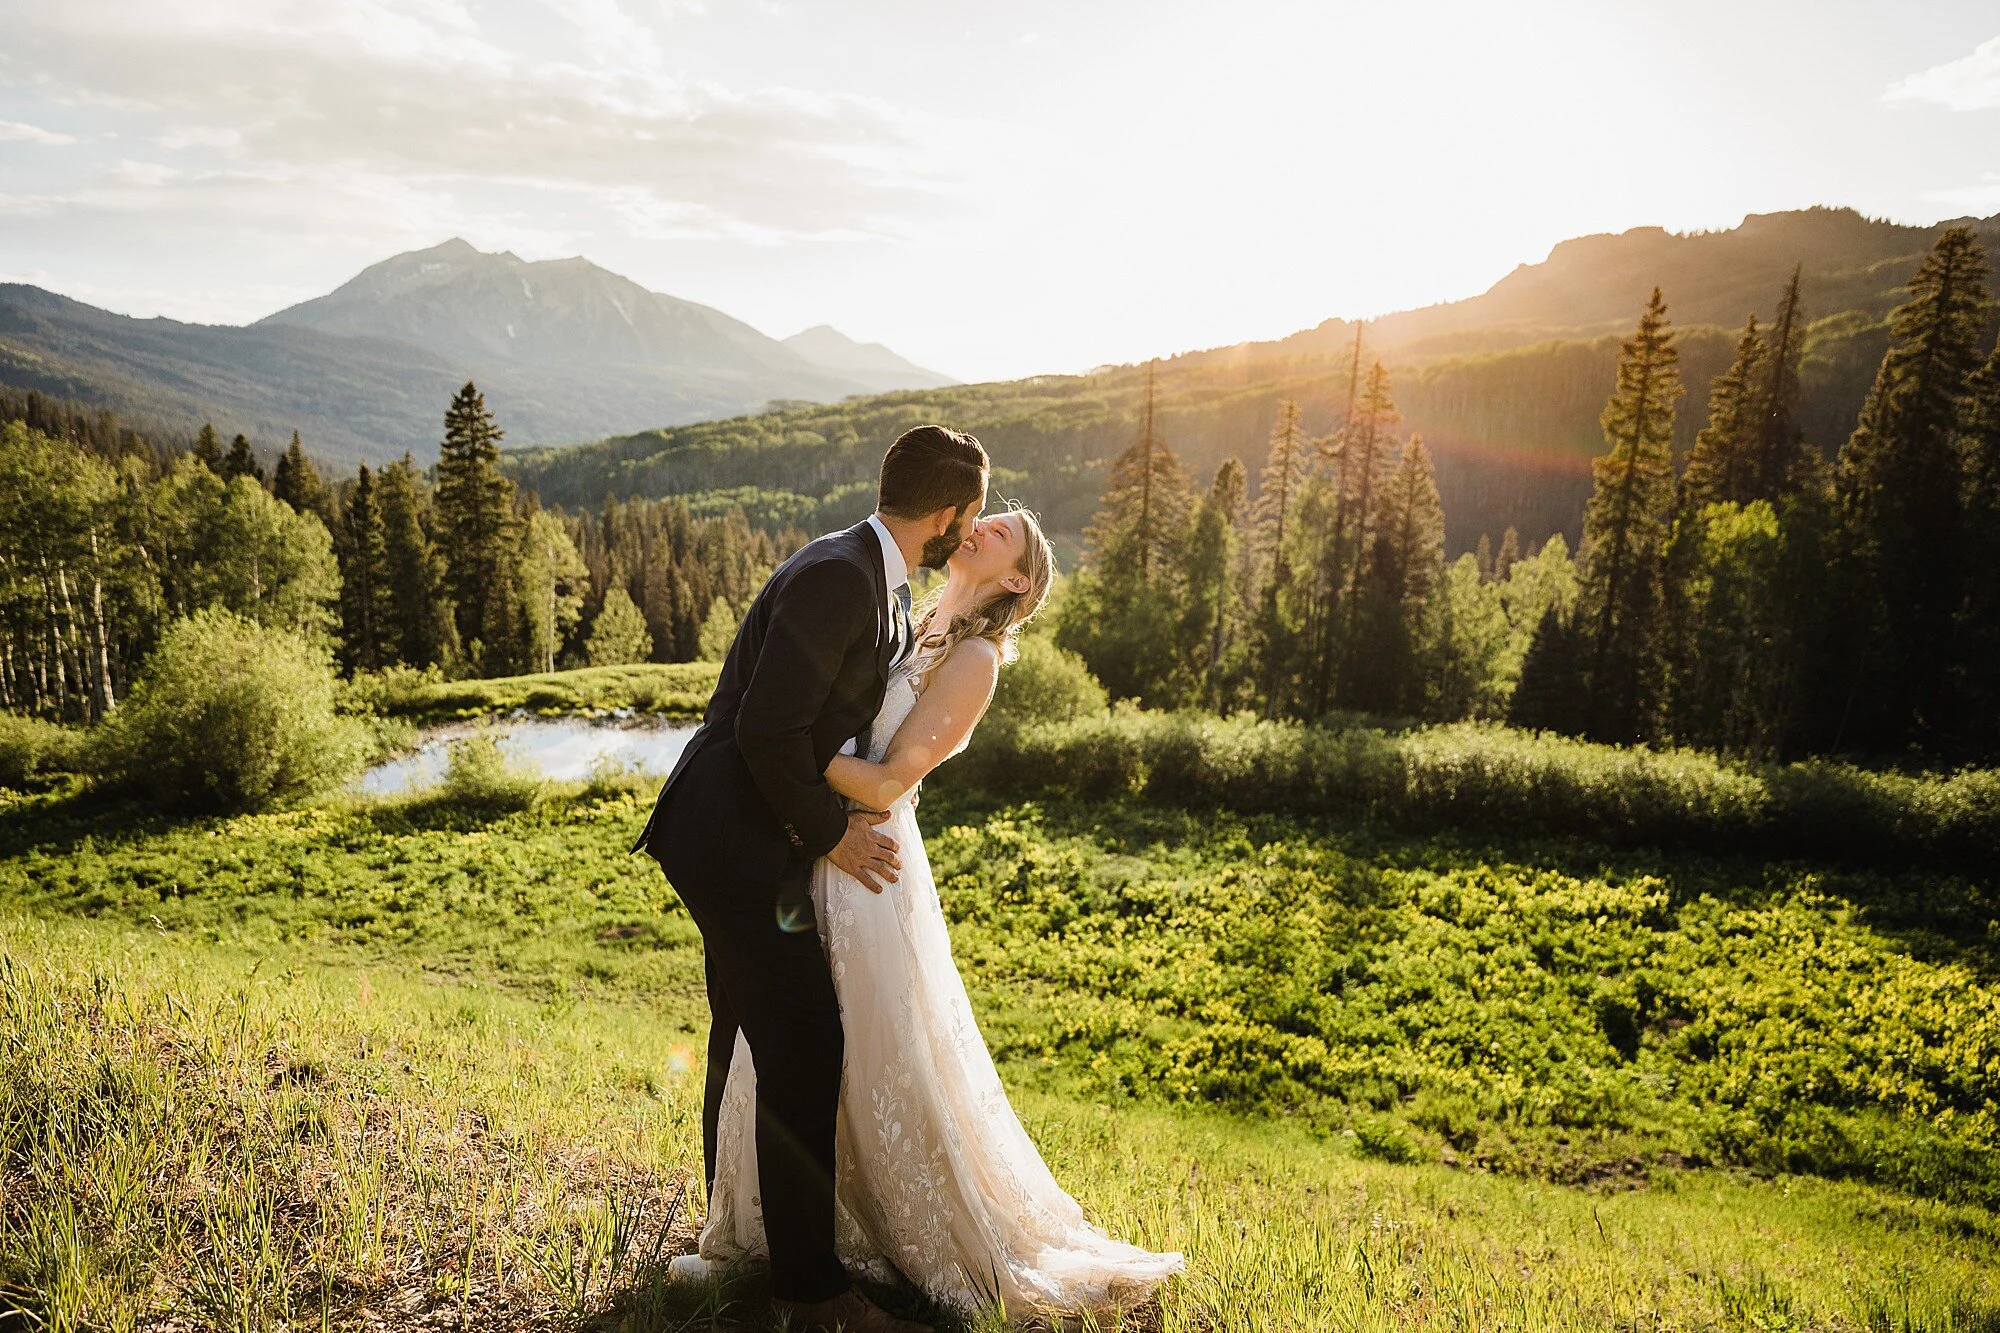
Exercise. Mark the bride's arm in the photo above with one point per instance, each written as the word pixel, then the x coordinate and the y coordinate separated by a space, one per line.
pixel 952 702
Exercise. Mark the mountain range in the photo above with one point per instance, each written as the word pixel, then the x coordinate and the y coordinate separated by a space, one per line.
pixel 563 349
pixel 1505 386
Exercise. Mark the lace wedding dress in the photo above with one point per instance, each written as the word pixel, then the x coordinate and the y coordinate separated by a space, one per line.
pixel 936 1176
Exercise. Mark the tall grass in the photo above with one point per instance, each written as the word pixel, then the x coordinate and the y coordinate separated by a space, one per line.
pixel 200 1137
pixel 189 1139
pixel 1486 776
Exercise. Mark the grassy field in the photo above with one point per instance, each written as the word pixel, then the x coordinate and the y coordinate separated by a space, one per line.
pixel 410 1063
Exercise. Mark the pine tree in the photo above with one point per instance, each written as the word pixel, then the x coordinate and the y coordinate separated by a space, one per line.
pixel 1976 653
pixel 297 482
pixel 668 605
pixel 1361 461
pixel 1624 528
pixel 1209 562
pixel 618 635
pixel 424 629
pixel 1353 380
pixel 1407 558
pixel 241 461
pixel 476 525
pixel 208 448
pixel 1782 461
pixel 1285 465
pixel 367 611
pixel 1724 463
pixel 1364 461
pixel 502 645
pixel 1554 674
pixel 1902 498
pixel 1274 632
pixel 1121 611
pixel 1510 551
pixel 1143 516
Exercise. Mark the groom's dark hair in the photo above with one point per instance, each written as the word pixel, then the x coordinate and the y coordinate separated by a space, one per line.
pixel 929 468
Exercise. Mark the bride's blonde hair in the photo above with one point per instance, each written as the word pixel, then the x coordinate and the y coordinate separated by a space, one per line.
pixel 999 618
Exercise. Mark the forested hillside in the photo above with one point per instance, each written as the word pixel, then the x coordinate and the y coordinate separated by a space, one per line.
pixel 1505 387
pixel 353 398
pixel 1512 432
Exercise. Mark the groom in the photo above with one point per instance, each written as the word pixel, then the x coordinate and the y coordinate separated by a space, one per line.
pixel 747 810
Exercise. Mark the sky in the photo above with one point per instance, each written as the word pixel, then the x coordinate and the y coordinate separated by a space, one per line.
pixel 992 190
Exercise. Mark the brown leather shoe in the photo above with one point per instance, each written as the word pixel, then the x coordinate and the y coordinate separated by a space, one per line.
pixel 849 1312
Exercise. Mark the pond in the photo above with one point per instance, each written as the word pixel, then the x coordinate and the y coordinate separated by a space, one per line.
pixel 560 748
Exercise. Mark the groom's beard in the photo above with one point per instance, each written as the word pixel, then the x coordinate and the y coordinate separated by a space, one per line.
pixel 939 548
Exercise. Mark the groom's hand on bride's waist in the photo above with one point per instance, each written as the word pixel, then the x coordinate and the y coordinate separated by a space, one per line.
pixel 865 854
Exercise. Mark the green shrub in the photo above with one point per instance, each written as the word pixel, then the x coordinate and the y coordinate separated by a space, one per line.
pixel 478 776
pixel 1045 684
pixel 32 747
pixel 393 691
pixel 611 778
pixel 228 714
pixel 1489 776
pixel 1381 1140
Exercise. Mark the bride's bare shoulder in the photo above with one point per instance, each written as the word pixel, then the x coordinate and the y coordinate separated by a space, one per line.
pixel 971 664
pixel 978 649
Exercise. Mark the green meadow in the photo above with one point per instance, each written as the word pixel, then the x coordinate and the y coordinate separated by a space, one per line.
pixel 434 1062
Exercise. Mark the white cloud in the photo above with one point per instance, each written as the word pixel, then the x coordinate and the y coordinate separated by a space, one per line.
pixel 1971 83
pixel 144 175
pixel 15 130
pixel 198 136
pixel 612 36
pixel 419 91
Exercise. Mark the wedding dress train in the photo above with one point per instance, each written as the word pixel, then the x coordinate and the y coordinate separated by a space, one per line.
pixel 936 1176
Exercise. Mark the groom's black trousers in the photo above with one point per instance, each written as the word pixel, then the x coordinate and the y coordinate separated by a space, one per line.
pixel 776 988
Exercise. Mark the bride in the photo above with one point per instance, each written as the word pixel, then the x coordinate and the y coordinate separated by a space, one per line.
pixel 937 1180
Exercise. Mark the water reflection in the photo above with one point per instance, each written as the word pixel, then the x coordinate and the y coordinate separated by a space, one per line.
pixel 560 748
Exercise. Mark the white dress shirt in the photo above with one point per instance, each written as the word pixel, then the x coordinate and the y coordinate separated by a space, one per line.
pixel 895 573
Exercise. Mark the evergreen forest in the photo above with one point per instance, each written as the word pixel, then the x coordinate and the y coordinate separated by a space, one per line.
pixel 1729 580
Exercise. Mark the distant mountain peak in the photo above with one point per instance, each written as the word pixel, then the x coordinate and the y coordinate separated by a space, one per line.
pixel 829 348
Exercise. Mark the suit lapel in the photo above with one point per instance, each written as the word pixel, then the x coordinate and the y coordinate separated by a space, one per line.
pixel 885 638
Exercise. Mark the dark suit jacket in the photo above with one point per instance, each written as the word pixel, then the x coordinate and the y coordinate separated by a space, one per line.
pixel 748 797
